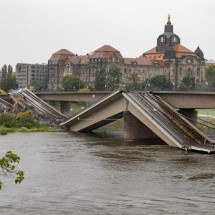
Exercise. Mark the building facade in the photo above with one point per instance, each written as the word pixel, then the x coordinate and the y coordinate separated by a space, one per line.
pixel 168 58
pixel 180 60
pixel 32 76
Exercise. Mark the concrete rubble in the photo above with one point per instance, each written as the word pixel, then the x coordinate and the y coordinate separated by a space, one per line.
pixel 24 102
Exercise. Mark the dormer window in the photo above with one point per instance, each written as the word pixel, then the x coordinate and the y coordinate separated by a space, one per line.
pixel 162 39
pixel 174 40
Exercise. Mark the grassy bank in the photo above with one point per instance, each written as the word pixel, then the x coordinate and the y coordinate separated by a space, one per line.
pixel 5 130
pixel 210 112
pixel 8 123
pixel 74 106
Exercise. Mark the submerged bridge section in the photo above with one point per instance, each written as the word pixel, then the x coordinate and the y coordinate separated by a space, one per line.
pixel 145 116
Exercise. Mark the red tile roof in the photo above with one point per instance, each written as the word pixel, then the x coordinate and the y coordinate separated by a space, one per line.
pixel 180 50
pixel 79 59
pixel 106 51
pixel 142 60
pixel 130 60
pixel 62 54
pixel 151 51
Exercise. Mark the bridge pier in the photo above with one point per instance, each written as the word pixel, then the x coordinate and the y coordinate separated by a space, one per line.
pixel 134 129
pixel 190 115
pixel 65 107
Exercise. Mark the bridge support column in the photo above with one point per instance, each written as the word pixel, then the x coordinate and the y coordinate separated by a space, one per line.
pixel 135 129
pixel 190 115
pixel 65 107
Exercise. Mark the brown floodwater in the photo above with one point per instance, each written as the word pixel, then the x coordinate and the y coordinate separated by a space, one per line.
pixel 94 174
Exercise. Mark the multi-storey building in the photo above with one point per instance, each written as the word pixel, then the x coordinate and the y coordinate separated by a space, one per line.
pixel 33 76
pixel 179 60
pixel 168 58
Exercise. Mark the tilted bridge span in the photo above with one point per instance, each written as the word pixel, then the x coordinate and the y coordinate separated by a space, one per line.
pixel 145 116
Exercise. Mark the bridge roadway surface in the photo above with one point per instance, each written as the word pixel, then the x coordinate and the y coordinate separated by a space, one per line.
pixel 149 109
pixel 178 99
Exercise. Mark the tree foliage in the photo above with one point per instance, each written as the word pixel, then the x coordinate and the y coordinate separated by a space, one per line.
pixel 134 82
pixel 72 83
pixel 210 77
pixel 8 167
pixel 157 83
pixel 4 71
pixel 187 83
pixel 8 80
pixel 100 79
pixel 107 78
pixel 8 120
pixel 113 78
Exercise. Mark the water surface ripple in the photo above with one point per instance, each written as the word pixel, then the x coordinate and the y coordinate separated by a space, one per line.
pixel 84 174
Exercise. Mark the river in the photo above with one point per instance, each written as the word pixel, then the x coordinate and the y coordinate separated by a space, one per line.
pixel 70 173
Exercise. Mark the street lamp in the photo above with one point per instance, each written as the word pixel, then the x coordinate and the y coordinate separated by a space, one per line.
pixel 206 86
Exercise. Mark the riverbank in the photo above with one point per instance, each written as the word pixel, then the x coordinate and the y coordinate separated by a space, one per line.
pixel 4 130
pixel 8 123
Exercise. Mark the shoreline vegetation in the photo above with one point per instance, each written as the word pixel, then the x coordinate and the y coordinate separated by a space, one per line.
pixel 8 123
pixel 4 130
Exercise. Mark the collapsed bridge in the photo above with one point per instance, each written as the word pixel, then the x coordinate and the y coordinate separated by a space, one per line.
pixel 25 102
pixel 145 116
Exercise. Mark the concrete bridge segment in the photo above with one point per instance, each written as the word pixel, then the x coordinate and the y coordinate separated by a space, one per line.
pixel 145 116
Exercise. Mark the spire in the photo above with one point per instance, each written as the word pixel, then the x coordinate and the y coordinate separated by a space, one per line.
pixel 199 53
pixel 169 21
pixel 168 26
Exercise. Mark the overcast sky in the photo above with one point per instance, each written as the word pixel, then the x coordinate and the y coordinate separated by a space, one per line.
pixel 31 30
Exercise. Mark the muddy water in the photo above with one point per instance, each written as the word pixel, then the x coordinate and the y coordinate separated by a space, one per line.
pixel 85 174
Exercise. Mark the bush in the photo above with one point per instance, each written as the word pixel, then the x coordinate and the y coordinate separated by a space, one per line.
pixel 27 122
pixel 7 120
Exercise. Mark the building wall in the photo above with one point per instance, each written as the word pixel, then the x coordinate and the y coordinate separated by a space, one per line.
pixel 56 70
pixel 181 67
pixel 34 76
pixel 86 72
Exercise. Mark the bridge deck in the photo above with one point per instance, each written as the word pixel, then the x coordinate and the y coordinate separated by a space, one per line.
pixel 152 111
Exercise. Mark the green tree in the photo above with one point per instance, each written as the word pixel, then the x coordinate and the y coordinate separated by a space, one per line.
pixel 9 71
pixel 200 86
pixel 4 72
pixel 113 78
pixel 8 80
pixel 159 82
pixel 134 82
pixel 187 83
pixel 100 79
pixel 72 83
pixel 8 167
pixel 210 77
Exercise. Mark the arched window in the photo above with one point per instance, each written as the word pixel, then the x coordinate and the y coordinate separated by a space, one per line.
pixel 162 39
pixel 174 40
